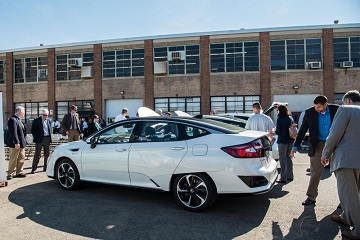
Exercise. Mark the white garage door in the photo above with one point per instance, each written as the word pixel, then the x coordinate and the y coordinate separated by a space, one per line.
pixel 297 102
pixel 114 107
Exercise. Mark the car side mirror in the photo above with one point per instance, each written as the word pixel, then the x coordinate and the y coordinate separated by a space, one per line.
pixel 92 142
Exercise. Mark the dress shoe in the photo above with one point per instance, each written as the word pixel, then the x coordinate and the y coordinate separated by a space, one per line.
pixel 32 172
pixel 9 177
pixel 290 179
pixel 20 175
pixel 308 202
pixel 338 219
pixel 349 235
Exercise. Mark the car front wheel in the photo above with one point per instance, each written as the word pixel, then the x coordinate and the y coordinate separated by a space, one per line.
pixel 67 175
pixel 194 191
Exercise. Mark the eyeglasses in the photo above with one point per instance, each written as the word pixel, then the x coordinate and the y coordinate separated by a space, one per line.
pixel 45 115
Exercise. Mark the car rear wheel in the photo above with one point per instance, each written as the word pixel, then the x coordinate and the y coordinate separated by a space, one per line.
pixel 194 191
pixel 67 175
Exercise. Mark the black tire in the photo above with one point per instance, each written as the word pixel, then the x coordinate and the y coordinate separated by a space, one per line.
pixel 67 175
pixel 194 191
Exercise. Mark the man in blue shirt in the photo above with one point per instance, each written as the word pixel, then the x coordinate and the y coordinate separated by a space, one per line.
pixel 317 120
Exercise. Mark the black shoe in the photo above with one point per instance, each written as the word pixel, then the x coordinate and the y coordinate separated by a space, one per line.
pixel 44 170
pixel 281 181
pixel 32 172
pixel 9 177
pixel 339 206
pixel 308 202
pixel 20 175
pixel 290 179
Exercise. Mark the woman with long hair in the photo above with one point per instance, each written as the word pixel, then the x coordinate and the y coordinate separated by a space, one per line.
pixel 285 143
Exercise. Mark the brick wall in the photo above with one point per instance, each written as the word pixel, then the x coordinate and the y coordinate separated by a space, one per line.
pixel 9 109
pixel 97 82
pixel 265 86
pixel 148 87
pixel 328 64
pixel 204 75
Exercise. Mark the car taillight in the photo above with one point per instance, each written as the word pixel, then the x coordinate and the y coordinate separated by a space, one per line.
pixel 248 150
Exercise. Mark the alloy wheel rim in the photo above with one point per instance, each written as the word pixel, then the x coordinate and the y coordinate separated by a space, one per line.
pixel 66 175
pixel 192 191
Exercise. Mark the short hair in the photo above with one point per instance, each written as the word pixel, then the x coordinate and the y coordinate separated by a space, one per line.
pixel 257 105
pixel 124 110
pixel 19 109
pixel 73 107
pixel 320 99
pixel 94 116
pixel 44 111
pixel 353 95
pixel 213 111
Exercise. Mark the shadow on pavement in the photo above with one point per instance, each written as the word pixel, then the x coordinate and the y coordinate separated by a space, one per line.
pixel 112 212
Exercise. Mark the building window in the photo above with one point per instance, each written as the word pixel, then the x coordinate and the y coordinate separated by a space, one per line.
pixel 190 105
pixel 234 57
pixel 232 104
pixel 66 72
pixel 294 54
pixel 32 110
pixel 187 59
pixel 347 49
pixel 2 71
pixel 30 69
pixel 123 63
pixel 85 108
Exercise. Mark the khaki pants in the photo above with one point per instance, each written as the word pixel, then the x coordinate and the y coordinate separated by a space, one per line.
pixel 17 157
pixel 74 135
pixel 316 170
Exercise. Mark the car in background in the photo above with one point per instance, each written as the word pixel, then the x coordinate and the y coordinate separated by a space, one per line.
pixel 236 122
pixel 195 159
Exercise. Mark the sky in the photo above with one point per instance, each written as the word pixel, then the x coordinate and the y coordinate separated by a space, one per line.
pixel 29 23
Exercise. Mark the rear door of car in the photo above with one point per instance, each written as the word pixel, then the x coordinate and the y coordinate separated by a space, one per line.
pixel 154 157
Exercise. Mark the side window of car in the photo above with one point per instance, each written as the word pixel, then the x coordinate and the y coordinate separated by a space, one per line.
pixel 159 132
pixel 194 132
pixel 118 134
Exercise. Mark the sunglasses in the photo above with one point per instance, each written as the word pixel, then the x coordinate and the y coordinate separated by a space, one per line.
pixel 45 115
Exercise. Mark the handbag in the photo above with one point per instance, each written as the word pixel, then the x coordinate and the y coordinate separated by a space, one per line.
pixel 293 130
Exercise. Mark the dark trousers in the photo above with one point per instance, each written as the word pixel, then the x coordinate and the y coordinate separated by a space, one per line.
pixel 38 146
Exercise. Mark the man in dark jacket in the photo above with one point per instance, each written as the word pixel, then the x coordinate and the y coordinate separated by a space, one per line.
pixel 71 124
pixel 317 120
pixel 41 131
pixel 16 142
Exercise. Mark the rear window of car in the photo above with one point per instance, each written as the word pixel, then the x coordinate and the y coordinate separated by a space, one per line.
pixel 227 126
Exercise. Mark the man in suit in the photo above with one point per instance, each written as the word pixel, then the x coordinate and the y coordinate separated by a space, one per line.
pixel 317 120
pixel 343 142
pixel 16 142
pixel 41 131
pixel 71 124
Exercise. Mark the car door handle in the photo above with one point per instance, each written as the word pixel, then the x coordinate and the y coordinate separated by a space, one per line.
pixel 177 148
pixel 121 149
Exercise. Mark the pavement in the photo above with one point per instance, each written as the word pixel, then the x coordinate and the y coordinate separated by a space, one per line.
pixel 36 207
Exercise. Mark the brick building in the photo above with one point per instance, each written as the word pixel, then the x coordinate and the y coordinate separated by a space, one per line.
pixel 195 72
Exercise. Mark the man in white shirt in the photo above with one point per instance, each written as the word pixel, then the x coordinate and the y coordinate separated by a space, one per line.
pixel 122 116
pixel 259 121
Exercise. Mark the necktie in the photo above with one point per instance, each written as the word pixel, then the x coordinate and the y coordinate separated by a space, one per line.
pixel 73 122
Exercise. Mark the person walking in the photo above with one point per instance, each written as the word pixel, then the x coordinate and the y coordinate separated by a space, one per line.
pixel 317 120
pixel 70 124
pixel 84 127
pixel 259 121
pixel 285 143
pixel 343 142
pixel 16 141
pixel 41 131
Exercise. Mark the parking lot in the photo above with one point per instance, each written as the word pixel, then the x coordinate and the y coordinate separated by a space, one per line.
pixel 36 207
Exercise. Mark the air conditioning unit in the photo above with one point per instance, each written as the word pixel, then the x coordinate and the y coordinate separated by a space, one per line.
pixel 42 73
pixel 347 64
pixel 314 65
pixel 160 68
pixel 75 62
pixel 176 56
pixel 86 72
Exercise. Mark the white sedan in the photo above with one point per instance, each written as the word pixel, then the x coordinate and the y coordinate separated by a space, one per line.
pixel 195 159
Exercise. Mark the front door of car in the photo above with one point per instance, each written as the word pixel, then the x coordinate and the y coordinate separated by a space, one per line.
pixel 155 154
pixel 106 160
